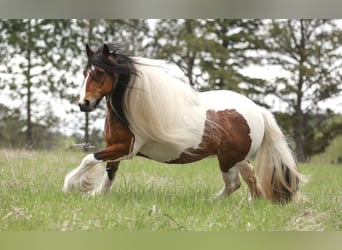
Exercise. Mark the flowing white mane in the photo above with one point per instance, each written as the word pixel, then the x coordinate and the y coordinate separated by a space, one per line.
pixel 160 106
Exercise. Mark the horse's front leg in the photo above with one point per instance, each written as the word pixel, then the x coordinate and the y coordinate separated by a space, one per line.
pixel 86 176
pixel 82 178
pixel 107 179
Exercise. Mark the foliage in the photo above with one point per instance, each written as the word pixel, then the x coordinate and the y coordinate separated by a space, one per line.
pixel 320 130
pixel 33 58
pixel 12 131
pixel 210 52
pixel 11 127
pixel 308 51
pixel 332 153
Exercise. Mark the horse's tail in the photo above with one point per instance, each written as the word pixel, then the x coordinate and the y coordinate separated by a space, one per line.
pixel 276 166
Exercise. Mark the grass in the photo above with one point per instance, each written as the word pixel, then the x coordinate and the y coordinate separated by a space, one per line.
pixel 152 196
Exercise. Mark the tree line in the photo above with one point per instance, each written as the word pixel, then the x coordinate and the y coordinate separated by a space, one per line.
pixel 42 56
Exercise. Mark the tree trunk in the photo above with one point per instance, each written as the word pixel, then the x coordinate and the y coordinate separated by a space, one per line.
pixel 298 121
pixel 298 124
pixel 29 139
pixel 298 135
pixel 86 125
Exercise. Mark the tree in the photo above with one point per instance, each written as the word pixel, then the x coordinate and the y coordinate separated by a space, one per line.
pixel 232 47
pixel 308 51
pixel 34 58
pixel 10 127
pixel 179 41
pixel 211 53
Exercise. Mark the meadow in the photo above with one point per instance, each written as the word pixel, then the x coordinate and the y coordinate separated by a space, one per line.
pixel 156 197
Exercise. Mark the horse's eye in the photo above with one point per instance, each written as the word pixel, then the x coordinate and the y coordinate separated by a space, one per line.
pixel 100 73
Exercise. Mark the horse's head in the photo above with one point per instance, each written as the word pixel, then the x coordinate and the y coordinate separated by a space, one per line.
pixel 101 75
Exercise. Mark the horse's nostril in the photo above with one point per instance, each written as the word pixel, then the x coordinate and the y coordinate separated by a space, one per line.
pixel 85 105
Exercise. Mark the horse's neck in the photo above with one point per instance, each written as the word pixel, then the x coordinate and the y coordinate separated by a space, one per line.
pixel 115 129
pixel 116 110
pixel 112 115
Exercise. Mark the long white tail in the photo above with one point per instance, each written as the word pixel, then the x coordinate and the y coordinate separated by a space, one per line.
pixel 276 166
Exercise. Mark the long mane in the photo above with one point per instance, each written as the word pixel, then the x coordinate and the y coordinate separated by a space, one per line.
pixel 153 98
pixel 123 68
pixel 160 105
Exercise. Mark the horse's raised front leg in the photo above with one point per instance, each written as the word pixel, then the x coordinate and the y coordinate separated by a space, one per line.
pixel 107 179
pixel 82 177
pixel 87 176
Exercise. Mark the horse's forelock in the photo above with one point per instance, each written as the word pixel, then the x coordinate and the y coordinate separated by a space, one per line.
pixel 121 63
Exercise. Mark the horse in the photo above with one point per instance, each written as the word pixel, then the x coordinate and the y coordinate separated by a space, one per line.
pixel 152 112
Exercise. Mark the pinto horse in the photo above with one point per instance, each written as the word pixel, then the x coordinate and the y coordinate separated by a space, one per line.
pixel 152 112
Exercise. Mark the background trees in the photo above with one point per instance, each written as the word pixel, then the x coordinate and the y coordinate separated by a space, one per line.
pixel 35 65
pixel 210 52
pixel 309 52
pixel 41 65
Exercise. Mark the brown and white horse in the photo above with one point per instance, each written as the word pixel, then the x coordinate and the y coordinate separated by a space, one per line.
pixel 152 112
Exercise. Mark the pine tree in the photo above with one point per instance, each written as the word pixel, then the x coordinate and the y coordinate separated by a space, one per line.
pixel 34 56
pixel 180 42
pixel 211 53
pixel 230 50
pixel 308 51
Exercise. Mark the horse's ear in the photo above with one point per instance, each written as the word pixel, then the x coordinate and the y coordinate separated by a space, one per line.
pixel 105 50
pixel 90 52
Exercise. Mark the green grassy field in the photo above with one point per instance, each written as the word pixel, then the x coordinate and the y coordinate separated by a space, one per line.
pixel 152 196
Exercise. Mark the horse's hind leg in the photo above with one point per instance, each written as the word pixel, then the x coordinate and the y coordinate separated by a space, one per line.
pixel 107 180
pixel 231 180
pixel 248 174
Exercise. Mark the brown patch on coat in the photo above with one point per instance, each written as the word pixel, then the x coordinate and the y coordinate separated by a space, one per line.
pixel 118 136
pixel 226 134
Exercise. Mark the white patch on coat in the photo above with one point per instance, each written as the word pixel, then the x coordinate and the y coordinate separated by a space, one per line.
pixel 223 99
pixel 84 86
pixel 83 89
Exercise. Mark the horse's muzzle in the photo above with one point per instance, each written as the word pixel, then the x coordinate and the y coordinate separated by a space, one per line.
pixel 88 106
pixel 85 106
